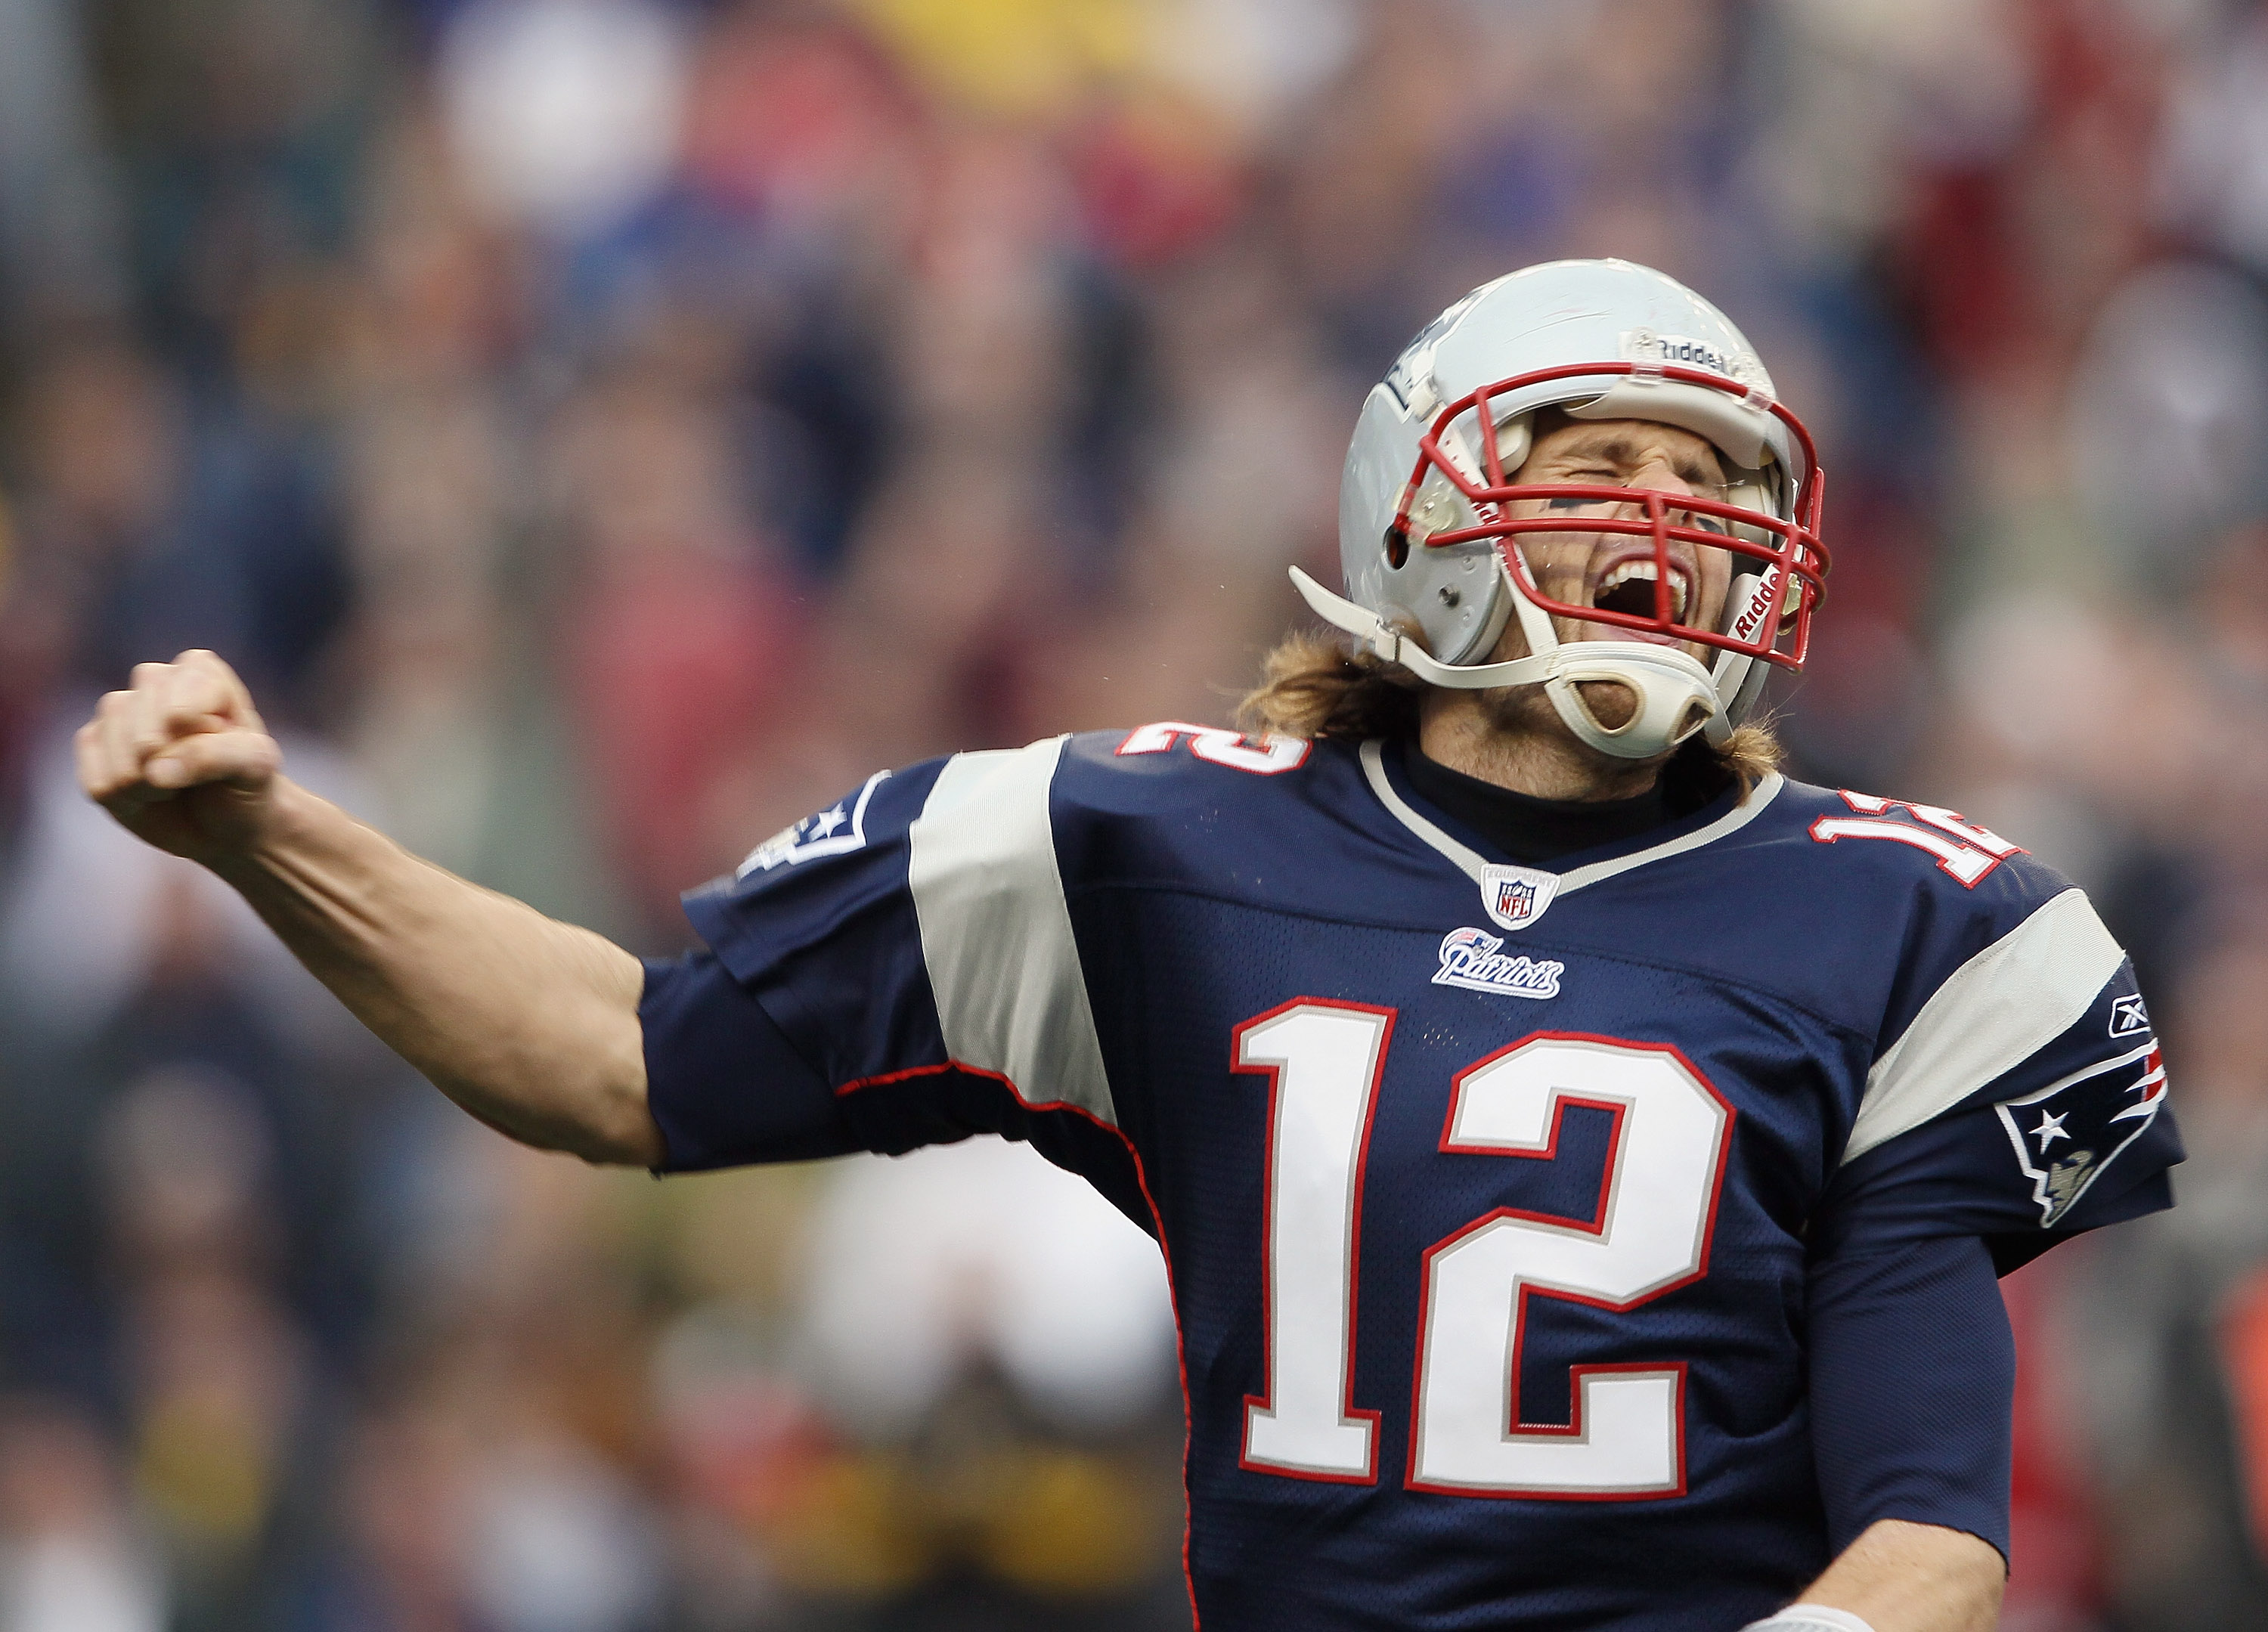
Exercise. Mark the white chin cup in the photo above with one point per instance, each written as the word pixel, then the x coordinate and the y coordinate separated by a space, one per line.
pixel 1674 695
pixel 1673 692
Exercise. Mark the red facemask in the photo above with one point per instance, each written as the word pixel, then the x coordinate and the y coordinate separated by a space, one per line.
pixel 1779 600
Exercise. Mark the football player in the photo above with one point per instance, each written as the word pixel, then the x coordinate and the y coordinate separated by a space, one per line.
pixel 1582 1156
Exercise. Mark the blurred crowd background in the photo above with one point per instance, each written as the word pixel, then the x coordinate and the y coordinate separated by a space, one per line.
pixel 604 430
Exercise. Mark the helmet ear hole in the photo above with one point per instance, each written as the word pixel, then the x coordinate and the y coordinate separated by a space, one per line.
pixel 1397 547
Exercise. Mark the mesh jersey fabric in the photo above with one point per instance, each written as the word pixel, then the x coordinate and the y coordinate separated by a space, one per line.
pixel 1874 1038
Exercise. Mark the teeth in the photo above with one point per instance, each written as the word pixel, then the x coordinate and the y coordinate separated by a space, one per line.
pixel 1642 569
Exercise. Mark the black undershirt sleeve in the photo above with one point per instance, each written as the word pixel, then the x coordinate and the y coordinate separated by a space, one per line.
pixel 1913 1380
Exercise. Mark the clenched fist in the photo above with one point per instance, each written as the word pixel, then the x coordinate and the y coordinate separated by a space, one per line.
pixel 530 1024
pixel 182 759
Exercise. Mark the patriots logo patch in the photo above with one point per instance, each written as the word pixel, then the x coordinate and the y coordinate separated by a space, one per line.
pixel 835 831
pixel 2066 1134
pixel 1471 959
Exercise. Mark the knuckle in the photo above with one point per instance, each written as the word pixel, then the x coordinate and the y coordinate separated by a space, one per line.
pixel 113 703
pixel 186 702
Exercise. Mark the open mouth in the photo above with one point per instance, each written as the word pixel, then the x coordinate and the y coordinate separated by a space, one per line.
pixel 1629 587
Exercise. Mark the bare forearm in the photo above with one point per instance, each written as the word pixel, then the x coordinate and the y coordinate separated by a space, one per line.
pixel 1907 1577
pixel 530 1024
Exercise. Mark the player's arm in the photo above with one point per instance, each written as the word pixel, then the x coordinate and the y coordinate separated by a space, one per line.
pixel 2016 1098
pixel 1913 1390
pixel 529 1024
pixel 1901 1576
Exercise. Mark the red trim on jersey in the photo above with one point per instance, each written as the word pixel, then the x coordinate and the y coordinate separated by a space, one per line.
pixel 1157 1222
pixel 1180 1350
pixel 938 1070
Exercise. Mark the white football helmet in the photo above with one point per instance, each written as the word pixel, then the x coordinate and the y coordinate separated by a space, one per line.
pixel 1431 550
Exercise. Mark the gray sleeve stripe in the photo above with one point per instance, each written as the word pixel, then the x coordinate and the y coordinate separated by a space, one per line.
pixel 2006 1003
pixel 996 933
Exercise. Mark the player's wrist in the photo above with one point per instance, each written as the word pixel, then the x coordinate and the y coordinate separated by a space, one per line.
pixel 1811 1618
pixel 262 837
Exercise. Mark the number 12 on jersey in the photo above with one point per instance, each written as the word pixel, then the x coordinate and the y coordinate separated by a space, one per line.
pixel 1649 1235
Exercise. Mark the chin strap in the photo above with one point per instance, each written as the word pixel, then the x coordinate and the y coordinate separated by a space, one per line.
pixel 1381 639
pixel 1676 695
pixel 1738 680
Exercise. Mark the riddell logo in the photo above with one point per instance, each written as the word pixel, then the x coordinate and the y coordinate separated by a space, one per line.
pixel 1643 345
pixel 1471 959
pixel 1760 604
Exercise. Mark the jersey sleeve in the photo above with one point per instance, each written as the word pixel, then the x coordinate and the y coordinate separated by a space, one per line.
pixel 912 950
pixel 721 1079
pixel 1912 1381
pixel 2020 1096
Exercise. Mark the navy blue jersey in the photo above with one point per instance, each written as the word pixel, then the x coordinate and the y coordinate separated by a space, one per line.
pixel 1490 1194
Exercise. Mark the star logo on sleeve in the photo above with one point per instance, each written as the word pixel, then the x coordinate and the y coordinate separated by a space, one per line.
pixel 836 831
pixel 2095 1114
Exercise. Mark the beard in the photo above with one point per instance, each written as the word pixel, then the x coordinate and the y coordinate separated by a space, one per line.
pixel 1610 702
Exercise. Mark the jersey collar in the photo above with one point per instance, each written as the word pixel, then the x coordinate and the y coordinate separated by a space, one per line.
pixel 1476 866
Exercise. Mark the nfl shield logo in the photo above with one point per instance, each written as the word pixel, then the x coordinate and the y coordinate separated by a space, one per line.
pixel 1516 897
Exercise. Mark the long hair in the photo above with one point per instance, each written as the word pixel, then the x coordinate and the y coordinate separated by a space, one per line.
pixel 1311 685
